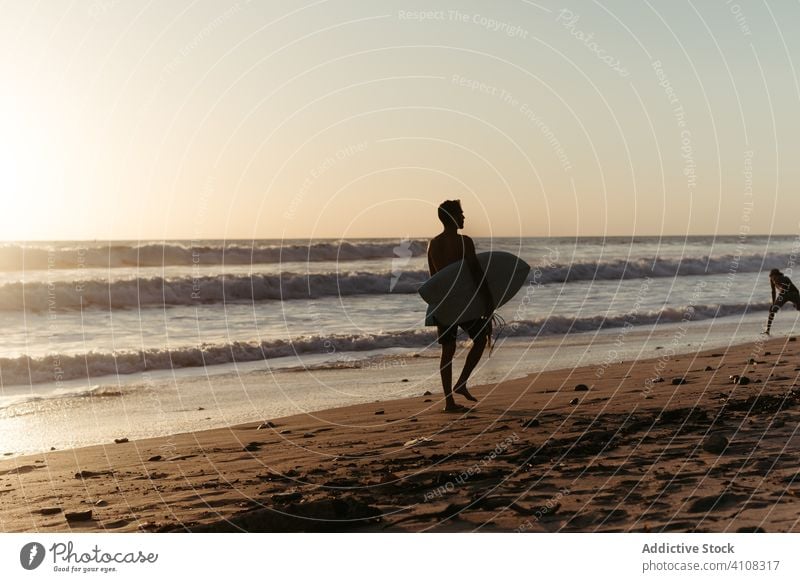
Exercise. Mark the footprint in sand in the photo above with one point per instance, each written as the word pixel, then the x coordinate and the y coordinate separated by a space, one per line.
pixel 90 474
pixel 714 503
pixel 21 469
pixel 181 457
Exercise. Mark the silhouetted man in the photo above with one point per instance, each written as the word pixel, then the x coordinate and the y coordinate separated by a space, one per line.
pixel 783 291
pixel 449 247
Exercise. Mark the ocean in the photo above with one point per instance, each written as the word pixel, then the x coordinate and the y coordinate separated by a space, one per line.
pixel 148 338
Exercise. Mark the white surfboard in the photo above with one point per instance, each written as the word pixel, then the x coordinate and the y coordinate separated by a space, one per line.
pixel 452 293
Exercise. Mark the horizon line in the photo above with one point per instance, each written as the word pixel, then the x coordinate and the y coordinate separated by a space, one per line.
pixel 239 239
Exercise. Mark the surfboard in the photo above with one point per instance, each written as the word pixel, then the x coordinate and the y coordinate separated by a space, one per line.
pixel 452 293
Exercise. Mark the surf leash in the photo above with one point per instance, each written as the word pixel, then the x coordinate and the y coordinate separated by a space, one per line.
pixel 498 323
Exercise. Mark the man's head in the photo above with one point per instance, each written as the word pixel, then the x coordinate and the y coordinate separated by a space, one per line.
pixel 450 214
pixel 775 273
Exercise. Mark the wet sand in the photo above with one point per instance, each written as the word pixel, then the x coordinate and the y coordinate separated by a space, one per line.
pixel 621 453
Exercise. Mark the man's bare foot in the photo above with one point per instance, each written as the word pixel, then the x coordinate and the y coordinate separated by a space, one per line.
pixel 455 408
pixel 462 390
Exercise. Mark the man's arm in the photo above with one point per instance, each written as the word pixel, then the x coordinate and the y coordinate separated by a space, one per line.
pixel 477 273
pixel 431 266
pixel 772 286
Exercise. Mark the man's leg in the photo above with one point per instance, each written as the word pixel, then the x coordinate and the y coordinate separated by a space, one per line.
pixel 473 357
pixel 773 309
pixel 795 299
pixel 446 370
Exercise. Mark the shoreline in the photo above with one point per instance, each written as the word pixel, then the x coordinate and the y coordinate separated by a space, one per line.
pixel 525 459
pixel 159 403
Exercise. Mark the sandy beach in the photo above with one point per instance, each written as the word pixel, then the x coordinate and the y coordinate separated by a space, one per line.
pixel 606 449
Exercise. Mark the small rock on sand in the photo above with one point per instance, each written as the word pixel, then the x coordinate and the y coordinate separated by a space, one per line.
pixel 427 400
pixel 427 393
pixel 49 510
pixel 404 380
pixel 709 369
pixel 378 412
pixel 574 401
pixel 530 422
pixel 715 443
pixel 155 458
pixel 679 381
pixel 581 388
pixel 78 515
pixel 120 441
pixel 741 380
pixel 267 424
pixel 792 339
pixel 254 446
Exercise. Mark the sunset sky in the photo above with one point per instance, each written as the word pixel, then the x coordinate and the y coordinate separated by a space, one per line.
pixel 122 119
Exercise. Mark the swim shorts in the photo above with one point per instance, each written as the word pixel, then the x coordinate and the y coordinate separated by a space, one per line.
pixel 475 329
pixel 787 297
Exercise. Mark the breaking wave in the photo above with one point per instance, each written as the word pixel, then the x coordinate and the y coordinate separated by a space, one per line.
pixel 186 290
pixel 160 291
pixel 14 257
pixel 640 268
pixel 54 368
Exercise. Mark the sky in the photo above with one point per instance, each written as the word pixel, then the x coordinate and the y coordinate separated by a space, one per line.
pixel 200 119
